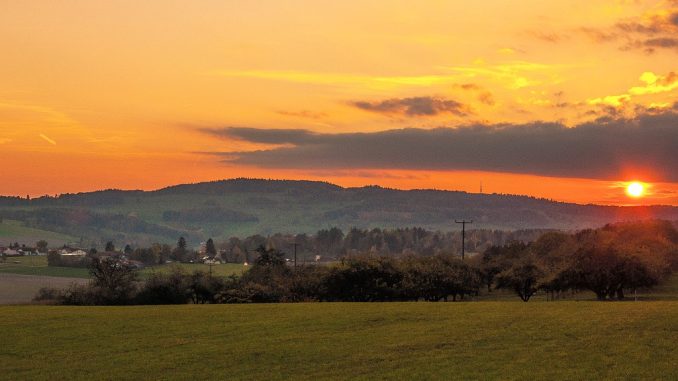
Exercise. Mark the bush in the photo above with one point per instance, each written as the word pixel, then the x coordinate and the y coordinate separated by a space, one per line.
pixel 172 288
pixel 47 295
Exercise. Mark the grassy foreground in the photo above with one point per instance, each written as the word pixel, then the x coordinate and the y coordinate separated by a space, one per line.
pixel 483 340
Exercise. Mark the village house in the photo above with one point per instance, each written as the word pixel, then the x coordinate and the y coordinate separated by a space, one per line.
pixel 12 253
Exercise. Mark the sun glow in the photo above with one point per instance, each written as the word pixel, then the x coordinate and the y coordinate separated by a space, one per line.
pixel 635 189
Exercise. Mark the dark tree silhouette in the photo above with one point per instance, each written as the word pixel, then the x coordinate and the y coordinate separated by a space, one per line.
pixel 210 249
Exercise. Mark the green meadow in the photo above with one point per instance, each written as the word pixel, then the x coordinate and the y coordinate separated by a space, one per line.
pixel 37 265
pixel 15 231
pixel 310 341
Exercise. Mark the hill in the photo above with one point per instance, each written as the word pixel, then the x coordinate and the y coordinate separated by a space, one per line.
pixel 240 207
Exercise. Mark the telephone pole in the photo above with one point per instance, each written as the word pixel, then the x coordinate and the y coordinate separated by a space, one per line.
pixel 463 235
pixel 295 254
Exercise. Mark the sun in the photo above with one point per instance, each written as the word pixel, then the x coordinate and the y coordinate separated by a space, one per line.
pixel 635 189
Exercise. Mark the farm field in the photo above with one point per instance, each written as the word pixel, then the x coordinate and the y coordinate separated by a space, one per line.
pixel 487 340
pixel 21 289
pixel 22 277
pixel 37 265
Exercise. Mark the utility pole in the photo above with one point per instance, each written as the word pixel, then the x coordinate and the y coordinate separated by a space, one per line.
pixel 463 235
pixel 295 254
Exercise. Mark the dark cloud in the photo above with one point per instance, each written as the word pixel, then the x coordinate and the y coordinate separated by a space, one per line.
pixel 604 149
pixel 415 106
pixel 647 33
pixel 265 136
pixel 661 42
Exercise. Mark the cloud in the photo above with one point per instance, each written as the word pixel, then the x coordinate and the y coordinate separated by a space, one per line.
pixel 484 96
pixel 335 79
pixel 366 174
pixel 469 86
pixel 513 74
pixel 415 106
pixel 660 42
pixel 487 98
pixel 648 32
pixel 654 84
pixel 47 139
pixel 304 114
pixel 264 136
pixel 604 149
pixel 547 36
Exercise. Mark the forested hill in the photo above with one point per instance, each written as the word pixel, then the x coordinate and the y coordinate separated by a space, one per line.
pixel 242 207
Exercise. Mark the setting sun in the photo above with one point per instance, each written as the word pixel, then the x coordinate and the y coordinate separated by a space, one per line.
pixel 635 189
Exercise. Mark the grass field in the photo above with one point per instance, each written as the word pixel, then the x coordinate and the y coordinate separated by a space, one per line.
pixel 37 265
pixel 13 231
pixel 437 341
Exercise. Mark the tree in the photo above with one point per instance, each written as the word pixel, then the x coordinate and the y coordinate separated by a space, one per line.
pixel 147 256
pixel 180 252
pixel 210 249
pixel 181 244
pixel 497 259
pixel 269 257
pixel 166 288
pixel 113 280
pixel 524 277
pixel 53 259
pixel 607 271
pixel 110 246
pixel 329 241
pixel 41 246
pixel 128 250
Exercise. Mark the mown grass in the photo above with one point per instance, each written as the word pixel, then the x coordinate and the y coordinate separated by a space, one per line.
pixel 440 341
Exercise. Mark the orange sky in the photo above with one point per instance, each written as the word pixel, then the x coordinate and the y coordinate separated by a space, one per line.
pixel 114 94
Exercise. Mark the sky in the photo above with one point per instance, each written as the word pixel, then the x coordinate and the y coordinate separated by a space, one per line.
pixel 566 100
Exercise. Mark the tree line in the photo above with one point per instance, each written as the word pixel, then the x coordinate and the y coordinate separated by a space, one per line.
pixel 610 262
pixel 330 244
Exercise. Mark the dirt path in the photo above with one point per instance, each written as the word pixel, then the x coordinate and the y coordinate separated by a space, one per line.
pixel 20 289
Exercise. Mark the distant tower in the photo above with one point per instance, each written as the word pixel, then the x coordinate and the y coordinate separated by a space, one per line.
pixel 481 187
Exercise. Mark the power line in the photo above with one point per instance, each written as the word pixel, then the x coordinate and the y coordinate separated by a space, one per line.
pixel 463 235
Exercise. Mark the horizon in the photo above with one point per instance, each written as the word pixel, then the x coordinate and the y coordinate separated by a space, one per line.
pixel 328 183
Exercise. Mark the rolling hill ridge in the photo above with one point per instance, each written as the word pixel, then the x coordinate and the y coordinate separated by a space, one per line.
pixel 240 207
